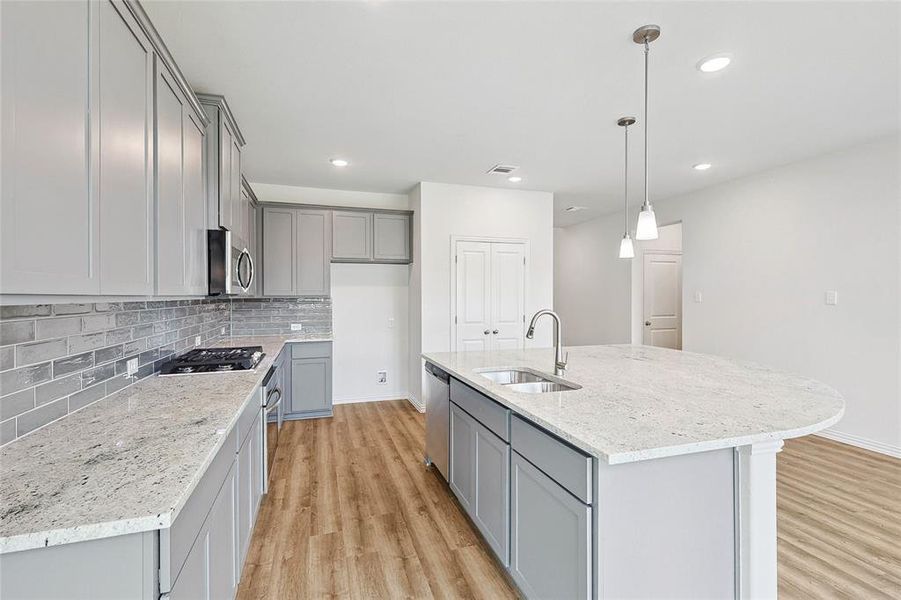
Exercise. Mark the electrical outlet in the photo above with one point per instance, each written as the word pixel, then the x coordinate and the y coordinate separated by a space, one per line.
pixel 831 297
pixel 131 367
pixel 699 297
pixel 382 377
pixel 222 331
pixel 390 322
pixel 296 326
pixel 197 340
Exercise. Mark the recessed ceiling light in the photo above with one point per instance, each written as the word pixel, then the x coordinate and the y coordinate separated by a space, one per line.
pixel 701 166
pixel 339 162
pixel 514 179
pixel 714 63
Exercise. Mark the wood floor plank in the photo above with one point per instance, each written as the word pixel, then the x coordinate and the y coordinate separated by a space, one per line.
pixel 352 512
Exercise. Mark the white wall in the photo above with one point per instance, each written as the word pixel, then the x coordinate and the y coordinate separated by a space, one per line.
pixel 669 240
pixel 414 360
pixel 369 310
pixel 447 210
pixel 589 283
pixel 269 192
pixel 764 249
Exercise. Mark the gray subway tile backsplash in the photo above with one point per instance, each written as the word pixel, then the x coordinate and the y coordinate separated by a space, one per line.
pixel 55 359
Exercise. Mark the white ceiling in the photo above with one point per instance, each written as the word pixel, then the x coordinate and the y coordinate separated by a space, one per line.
pixel 421 91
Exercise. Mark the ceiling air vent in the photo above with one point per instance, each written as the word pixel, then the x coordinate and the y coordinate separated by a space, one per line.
pixel 502 169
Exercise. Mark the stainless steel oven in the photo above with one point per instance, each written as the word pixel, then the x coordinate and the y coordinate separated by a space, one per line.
pixel 231 268
pixel 272 420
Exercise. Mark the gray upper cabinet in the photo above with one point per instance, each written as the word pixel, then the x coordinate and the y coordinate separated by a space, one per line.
pixel 550 536
pixel 180 200
pixel 371 236
pixel 224 144
pixel 313 237
pixel 391 237
pixel 351 236
pixel 124 177
pixel 295 252
pixel 79 82
pixel 279 252
pixel 250 226
pixel 47 244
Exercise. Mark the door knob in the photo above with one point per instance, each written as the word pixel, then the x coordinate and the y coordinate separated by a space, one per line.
pixel 647 323
pixel 494 332
pixel 487 332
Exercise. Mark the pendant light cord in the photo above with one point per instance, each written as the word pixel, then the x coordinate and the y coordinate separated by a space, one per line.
pixel 646 48
pixel 626 186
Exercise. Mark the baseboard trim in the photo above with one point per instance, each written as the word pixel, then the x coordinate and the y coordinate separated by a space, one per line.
pixel 866 444
pixel 369 399
pixel 416 403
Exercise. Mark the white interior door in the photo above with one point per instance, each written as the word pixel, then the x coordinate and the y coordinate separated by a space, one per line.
pixel 507 296
pixel 489 295
pixel 473 296
pixel 663 300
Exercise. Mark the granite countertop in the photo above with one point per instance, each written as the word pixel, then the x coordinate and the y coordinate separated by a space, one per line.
pixel 641 402
pixel 127 463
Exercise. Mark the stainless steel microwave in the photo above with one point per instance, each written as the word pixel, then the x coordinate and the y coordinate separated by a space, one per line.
pixel 231 266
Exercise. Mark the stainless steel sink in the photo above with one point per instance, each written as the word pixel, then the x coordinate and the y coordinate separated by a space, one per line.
pixel 527 381
pixel 541 387
pixel 511 376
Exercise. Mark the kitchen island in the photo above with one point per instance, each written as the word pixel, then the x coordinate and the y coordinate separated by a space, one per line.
pixel 655 476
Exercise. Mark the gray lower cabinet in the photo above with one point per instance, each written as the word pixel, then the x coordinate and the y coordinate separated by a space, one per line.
pixel 480 478
pixel 249 485
pixel 310 382
pixel 550 538
pixel 296 252
pixel 210 569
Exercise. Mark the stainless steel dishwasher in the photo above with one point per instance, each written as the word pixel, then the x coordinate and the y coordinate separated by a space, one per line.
pixel 437 418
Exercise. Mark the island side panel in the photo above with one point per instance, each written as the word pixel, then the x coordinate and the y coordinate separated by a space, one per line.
pixel 666 527
pixel 122 567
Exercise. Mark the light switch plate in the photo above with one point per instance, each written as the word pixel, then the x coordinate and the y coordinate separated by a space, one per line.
pixel 831 297
pixel 296 326
pixel 699 297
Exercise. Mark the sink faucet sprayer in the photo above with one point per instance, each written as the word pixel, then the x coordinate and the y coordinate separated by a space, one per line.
pixel 559 359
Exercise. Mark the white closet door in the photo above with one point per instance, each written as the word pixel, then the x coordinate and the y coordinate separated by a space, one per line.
pixel 473 296
pixel 507 296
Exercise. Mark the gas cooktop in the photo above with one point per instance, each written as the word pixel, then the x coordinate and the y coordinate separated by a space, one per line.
pixel 214 360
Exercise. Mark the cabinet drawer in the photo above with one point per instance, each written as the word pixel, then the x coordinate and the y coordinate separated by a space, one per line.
pixel 560 461
pixel 248 416
pixel 176 541
pixel 488 412
pixel 311 350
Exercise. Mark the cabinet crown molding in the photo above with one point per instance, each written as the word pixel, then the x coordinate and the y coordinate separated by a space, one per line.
pixel 219 102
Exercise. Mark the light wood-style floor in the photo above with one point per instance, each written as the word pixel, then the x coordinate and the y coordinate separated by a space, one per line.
pixel 353 513
pixel 839 520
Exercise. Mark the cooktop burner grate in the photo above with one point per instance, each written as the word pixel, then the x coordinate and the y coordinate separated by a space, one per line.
pixel 214 360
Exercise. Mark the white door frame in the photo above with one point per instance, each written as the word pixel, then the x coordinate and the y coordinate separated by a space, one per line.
pixel 644 292
pixel 527 249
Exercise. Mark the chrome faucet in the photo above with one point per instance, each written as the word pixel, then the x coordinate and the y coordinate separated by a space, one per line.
pixel 559 359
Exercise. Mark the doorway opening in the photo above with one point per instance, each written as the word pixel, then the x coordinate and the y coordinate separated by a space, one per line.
pixel 657 290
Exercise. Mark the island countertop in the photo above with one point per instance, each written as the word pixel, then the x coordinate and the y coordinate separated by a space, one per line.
pixel 641 402
pixel 127 463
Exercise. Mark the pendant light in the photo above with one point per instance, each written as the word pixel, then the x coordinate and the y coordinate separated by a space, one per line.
pixel 626 250
pixel 647 221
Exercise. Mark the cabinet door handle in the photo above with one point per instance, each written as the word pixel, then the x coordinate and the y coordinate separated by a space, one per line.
pixel 487 332
pixel 494 332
